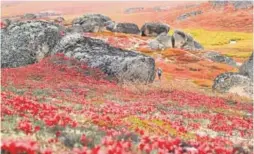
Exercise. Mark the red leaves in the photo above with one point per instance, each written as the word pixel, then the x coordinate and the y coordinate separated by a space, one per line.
pixel 26 126
pixel 61 95
pixel 19 146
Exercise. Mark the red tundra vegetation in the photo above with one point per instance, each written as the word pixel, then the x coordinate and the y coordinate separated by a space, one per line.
pixel 62 106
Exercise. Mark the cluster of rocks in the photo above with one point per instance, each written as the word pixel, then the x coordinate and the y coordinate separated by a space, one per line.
pixel 98 23
pixel 29 16
pixel 160 8
pixel 27 42
pixel 179 39
pixel 48 13
pixel 133 9
pixel 237 4
pixel 237 82
pixel 189 14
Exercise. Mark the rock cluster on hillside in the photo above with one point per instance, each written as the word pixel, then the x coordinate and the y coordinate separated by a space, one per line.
pixel 189 14
pixel 179 40
pixel 236 4
pixel 240 82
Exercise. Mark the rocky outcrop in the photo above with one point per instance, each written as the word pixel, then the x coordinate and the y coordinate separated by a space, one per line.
pixel 91 22
pixel 154 29
pixel 236 4
pixel 29 16
pixel 233 83
pixel 185 41
pixel 129 28
pixel 189 14
pixel 27 42
pixel 161 42
pixel 133 10
pixel 217 57
pixel 247 68
pixel 121 64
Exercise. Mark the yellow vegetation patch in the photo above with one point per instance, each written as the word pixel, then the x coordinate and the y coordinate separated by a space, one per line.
pixel 159 127
pixel 212 38
pixel 220 41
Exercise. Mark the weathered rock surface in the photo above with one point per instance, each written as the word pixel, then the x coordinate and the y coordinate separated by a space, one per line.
pixel 237 4
pixel 118 63
pixel 217 57
pixel 91 22
pixel 233 83
pixel 189 14
pixel 161 42
pixel 185 41
pixel 247 68
pixel 27 42
pixel 129 28
pixel 133 10
pixel 29 16
pixel 154 29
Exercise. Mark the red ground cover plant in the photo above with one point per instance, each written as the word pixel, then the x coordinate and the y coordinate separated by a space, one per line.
pixel 63 106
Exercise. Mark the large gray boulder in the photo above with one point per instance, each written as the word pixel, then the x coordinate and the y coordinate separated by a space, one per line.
pixel 247 68
pixel 161 42
pixel 129 28
pixel 233 83
pixel 154 29
pixel 121 64
pixel 185 41
pixel 217 57
pixel 92 22
pixel 27 42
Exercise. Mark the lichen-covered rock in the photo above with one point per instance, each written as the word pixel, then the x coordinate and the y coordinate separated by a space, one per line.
pixel 161 42
pixel 27 42
pixel 154 29
pixel 121 64
pixel 129 28
pixel 233 83
pixel 247 68
pixel 217 57
pixel 91 22
pixel 185 41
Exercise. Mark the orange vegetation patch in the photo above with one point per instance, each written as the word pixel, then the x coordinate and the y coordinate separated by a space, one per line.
pixel 173 52
pixel 203 82
pixel 202 72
